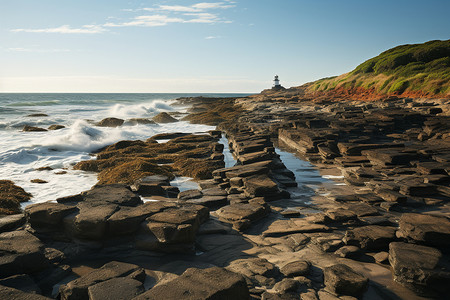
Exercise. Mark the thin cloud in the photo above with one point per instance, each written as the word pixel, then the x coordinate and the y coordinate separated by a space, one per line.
pixel 212 37
pixel 147 21
pixel 21 49
pixel 164 15
pixel 66 29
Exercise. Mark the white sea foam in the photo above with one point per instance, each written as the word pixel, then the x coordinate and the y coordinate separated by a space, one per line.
pixel 21 153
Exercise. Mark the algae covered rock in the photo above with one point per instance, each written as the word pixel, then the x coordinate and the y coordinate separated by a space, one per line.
pixel 164 117
pixel 110 122
pixel 10 197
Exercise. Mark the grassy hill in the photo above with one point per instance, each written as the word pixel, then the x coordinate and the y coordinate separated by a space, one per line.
pixel 408 70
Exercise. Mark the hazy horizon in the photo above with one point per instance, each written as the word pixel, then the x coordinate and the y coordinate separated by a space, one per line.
pixel 175 46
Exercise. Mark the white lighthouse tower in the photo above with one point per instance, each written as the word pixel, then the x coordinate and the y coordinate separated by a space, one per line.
pixel 276 82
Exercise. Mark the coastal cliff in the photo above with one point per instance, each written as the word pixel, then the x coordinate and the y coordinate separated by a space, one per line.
pixel 415 71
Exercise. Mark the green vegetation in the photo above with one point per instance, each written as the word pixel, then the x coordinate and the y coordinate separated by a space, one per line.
pixel 419 68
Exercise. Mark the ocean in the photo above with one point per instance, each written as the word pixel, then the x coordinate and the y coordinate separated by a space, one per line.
pixel 22 153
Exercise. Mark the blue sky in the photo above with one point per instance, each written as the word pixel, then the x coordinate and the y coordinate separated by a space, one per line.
pixel 195 46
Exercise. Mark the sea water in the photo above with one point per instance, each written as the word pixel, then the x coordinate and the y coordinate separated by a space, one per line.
pixel 22 153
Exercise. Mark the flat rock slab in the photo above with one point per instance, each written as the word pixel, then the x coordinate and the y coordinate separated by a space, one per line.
pixel 372 237
pixel 420 268
pixel 253 266
pixel 91 221
pixel 188 214
pixel 11 293
pixel 20 252
pixel 117 288
pixel 285 227
pixel 426 229
pixel 211 283
pixel 342 280
pixel 260 185
pixel 78 288
pixel 128 219
pixel 112 193
pixel 10 222
pixel 47 214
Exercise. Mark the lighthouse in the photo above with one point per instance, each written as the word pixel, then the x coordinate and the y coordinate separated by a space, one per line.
pixel 276 82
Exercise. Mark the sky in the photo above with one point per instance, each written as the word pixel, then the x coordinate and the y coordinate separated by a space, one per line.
pixel 182 46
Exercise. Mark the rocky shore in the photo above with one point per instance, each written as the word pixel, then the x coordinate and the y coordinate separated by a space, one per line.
pixel 382 232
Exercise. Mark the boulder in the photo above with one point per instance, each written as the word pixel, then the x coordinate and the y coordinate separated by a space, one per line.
pixel 91 221
pixel 28 128
pixel 110 122
pixel 47 214
pixel 340 279
pixel 251 267
pixel 260 185
pixel 164 117
pixel 372 237
pixel 425 229
pixel 56 127
pixel 241 214
pixel 128 219
pixel 122 288
pixel 112 193
pixel 20 253
pixel 296 268
pixel 78 289
pixel 420 268
pixel 211 283
pixel 137 121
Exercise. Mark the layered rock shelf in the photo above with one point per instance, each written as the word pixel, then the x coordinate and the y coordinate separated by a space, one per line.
pixel 249 231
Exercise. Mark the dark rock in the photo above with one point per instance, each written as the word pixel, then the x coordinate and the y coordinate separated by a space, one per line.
pixel 212 283
pixel 56 127
pixel 28 128
pixel 241 215
pixel 128 219
pixel 136 121
pixel 20 253
pixel 40 181
pixel 91 221
pixel 210 201
pixel 37 115
pixel 13 294
pixel 70 199
pixel 189 194
pixel 348 252
pixel 420 268
pixel 110 122
pixel 381 257
pixel 343 280
pixel 251 267
pixel 122 288
pixel 426 229
pixel 11 222
pixel 372 237
pixel 286 285
pixel 51 276
pixel 164 117
pixel 112 193
pixel 260 185
pixel 78 288
pixel 391 196
pixel 47 214
pixel 21 282
pixel 296 268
